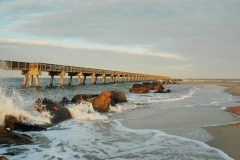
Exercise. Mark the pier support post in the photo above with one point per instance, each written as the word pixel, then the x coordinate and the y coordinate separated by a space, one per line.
pixel 70 80
pixel 61 80
pixel 79 79
pixel 33 70
pixel 103 79
pixel 111 79
pixel 25 80
pixel 84 79
pixel 94 78
pixel 30 80
pixel 123 78
pixel 128 78
pixel 37 80
pixel 51 80
pixel 118 78
pixel 60 74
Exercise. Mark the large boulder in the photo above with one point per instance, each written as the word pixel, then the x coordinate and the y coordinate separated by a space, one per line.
pixel 102 102
pixel 10 137
pixel 17 124
pixel 136 85
pixel 118 96
pixel 58 112
pixel 140 90
pixel 3 158
pixel 81 97
pixel 145 87
pixel 156 85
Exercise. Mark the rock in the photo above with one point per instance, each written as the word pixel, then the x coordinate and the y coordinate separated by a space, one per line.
pixel 3 158
pixel 168 91
pixel 113 103
pixel 162 91
pixel 115 96
pixel 64 101
pixel 157 85
pixel 102 102
pixel 15 124
pixel 145 87
pixel 58 112
pixel 140 90
pixel 118 96
pixel 136 85
pixel 10 137
pixel 80 97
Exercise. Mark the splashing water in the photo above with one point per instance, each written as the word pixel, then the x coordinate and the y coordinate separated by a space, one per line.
pixel 14 105
pixel 85 111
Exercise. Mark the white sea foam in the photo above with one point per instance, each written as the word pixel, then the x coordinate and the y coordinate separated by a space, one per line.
pixel 223 108
pixel 13 106
pixel 85 111
pixel 116 109
pixel 177 98
pixel 110 140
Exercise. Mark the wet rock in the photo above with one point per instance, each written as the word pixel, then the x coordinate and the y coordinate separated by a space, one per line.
pixel 10 137
pixel 163 91
pixel 118 96
pixel 136 85
pixel 140 90
pixel 58 112
pixel 16 124
pixel 145 87
pixel 156 85
pixel 81 97
pixel 102 102
pixel 64 101
pixel 3 158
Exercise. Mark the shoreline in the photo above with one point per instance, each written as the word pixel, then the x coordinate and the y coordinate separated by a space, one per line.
pixel 223 83
pixel 221 131
pixel 227 136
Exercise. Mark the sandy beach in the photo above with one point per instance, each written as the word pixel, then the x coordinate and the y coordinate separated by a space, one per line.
pixel 187 122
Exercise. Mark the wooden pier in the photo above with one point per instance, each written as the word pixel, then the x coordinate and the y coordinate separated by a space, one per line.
pixel 32 71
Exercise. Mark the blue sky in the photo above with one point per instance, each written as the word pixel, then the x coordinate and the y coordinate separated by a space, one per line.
pixel 176 38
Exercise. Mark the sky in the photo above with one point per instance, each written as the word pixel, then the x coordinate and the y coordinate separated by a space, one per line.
pixel 176 38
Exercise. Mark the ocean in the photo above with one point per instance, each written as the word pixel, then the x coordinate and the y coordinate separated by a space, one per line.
pixel 120 134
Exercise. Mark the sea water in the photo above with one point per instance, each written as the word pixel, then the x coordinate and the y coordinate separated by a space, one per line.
pixel 91 135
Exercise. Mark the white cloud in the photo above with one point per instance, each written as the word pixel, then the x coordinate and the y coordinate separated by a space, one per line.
pixel 54 44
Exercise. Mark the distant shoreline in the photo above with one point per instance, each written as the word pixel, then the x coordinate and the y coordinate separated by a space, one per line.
pixel 225 82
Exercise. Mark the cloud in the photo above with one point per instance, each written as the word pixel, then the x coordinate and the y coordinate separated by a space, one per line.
pixel 150 24
pixel 54 44
pixel 119 22
pixel 158 33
